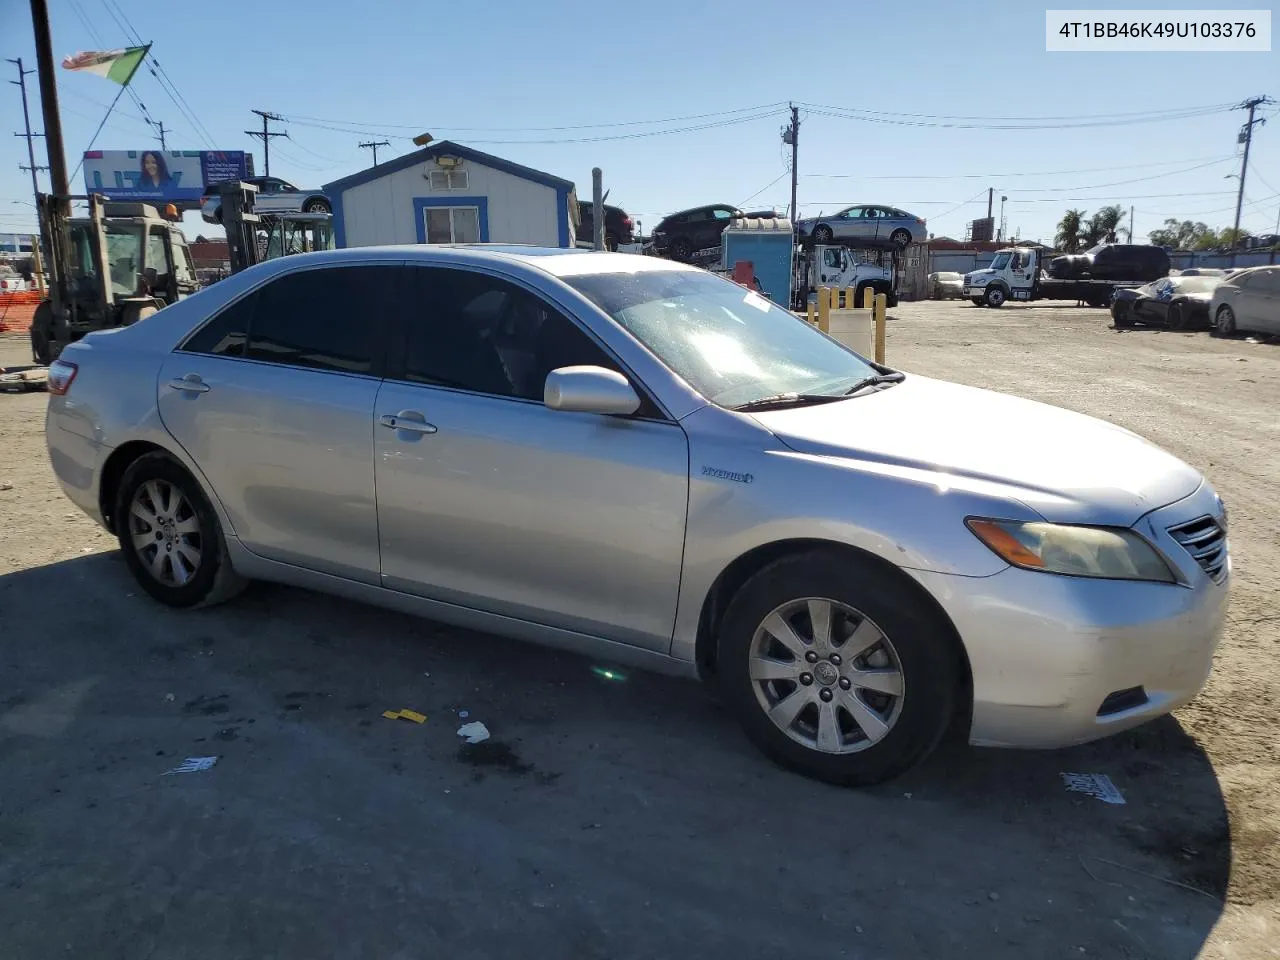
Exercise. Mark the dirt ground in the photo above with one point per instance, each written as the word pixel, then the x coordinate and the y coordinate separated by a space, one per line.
pixel 614 818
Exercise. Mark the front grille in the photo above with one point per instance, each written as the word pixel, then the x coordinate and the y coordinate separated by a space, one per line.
pixel 1206 541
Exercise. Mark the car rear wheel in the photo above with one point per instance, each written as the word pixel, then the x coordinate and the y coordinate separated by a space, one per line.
pixel 1224 322
pixel 611 242
pixel 836 670
pixel 900 238
pixel 1177 317
pixel 680 249
pixel 170 535
pixel 822 234
pixel 317 206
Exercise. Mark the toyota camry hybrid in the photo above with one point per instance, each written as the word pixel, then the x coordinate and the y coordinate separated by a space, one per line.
pixel 640 461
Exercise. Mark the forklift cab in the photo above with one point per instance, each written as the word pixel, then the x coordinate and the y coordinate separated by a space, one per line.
pixel 145 258
pixel 298 233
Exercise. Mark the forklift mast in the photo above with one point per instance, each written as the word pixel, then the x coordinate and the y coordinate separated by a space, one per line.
pixel 240 222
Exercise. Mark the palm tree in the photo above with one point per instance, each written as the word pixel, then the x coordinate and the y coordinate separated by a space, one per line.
pixel 1103 225
pixel 1068 238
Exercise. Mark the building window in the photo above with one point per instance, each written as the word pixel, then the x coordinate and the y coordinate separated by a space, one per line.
pixel 449 180
pixel 452 224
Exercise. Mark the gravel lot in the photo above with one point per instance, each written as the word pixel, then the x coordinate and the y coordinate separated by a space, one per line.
pixel 607 818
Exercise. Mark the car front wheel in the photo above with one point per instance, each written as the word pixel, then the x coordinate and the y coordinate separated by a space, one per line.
pixel 822 234
pixel 170 535
pixel 836 670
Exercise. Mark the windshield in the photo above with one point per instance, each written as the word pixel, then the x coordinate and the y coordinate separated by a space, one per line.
pixel 124 251
pixel 731 345
pixel 1001 261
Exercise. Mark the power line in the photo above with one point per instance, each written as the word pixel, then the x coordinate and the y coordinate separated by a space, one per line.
pixel 622 136
pixel 868 117
pixel 296 118
pixel 1016 173
pixel 1217 107
pixel 265 136
pixel 764 188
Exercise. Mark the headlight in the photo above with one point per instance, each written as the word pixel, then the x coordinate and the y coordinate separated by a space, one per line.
pixel 1106 552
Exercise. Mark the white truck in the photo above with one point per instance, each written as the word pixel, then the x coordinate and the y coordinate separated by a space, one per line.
pixel 842 267
pixel 1017 273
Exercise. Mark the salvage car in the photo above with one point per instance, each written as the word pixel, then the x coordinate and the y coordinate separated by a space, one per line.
pixel 682 235
pixel 1247 300
pixel 618 227
pixel 864 225
pixel 1178 303
pixel 638 460
pixel 946 285
pixel 274 196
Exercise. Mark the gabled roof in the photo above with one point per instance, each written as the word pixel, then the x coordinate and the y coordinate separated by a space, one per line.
pixel 446 147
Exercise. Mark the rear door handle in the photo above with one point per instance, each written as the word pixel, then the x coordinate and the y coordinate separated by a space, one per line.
pixel 410 420
pixel 191 383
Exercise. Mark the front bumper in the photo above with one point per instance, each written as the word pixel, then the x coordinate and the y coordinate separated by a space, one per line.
pixel 1047 651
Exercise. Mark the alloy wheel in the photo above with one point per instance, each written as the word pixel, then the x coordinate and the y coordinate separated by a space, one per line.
pixel 165 532
pixel 826 675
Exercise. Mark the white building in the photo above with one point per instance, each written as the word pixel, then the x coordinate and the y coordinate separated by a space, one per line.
pixel 448 193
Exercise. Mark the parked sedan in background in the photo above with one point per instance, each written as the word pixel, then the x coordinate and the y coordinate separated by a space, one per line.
pixel 1247 300
pixel 946 285
pixel 618 227
pixel 868 225
pixel 274 196
pixel 638 460
pixel 681 235
pixel 1179 303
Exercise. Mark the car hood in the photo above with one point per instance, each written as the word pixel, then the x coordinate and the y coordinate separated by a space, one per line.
pixel 1068 467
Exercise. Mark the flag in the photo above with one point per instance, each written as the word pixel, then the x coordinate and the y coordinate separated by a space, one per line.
pixel 117 65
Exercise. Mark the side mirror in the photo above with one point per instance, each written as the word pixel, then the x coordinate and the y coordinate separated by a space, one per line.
pixel 590 389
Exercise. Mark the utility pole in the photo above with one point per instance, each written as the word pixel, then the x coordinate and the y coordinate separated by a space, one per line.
pixel 991 195
pixel 161 129
pixel 1131 223
pixel 49 104
pixel 21 83
pixel 264 134
pixel 1245 137
pixel 791 136
pixel 374 145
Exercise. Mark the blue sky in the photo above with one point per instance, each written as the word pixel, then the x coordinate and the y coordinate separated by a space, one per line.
pixel 487 74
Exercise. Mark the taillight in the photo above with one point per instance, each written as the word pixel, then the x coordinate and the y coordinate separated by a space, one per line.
pixel 61 373
pixel 626 221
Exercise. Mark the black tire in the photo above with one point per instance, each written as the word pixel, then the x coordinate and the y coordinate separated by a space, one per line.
pixel 900 238
pixel 1121 315
pixel 1176 319
pixel 926 661
pixel 977 301
pixel 680 249
pixel 822 234
pixel 317 205
pixel 611 242
pixel 213 580
pixel 1224 322
pixel 42 334
pixel 995 296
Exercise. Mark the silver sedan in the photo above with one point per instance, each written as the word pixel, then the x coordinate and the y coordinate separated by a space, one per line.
pixel 865 224
pixel 637 460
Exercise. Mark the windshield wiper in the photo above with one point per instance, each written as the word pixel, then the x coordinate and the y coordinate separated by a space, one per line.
pixel 894 377
pixel 787 400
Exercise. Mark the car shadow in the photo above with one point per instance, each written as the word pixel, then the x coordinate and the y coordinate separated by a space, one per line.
pixel 617 812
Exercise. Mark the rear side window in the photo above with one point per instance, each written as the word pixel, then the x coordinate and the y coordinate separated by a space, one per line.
pixel 329 319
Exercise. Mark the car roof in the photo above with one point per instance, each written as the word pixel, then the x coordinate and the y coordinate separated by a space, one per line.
pixel 705 206
pixel 557 261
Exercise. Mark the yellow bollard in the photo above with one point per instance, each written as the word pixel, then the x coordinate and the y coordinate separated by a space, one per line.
pixel 877 321
pixel 824 309
pixel 868 296
pixel 810 312
pixel 849 301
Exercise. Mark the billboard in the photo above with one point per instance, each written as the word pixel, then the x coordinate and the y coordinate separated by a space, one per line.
pixel 982 229
pixel 162 176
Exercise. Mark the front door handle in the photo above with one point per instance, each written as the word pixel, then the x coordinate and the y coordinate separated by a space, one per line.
pixel 191 383
pixel 410 420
